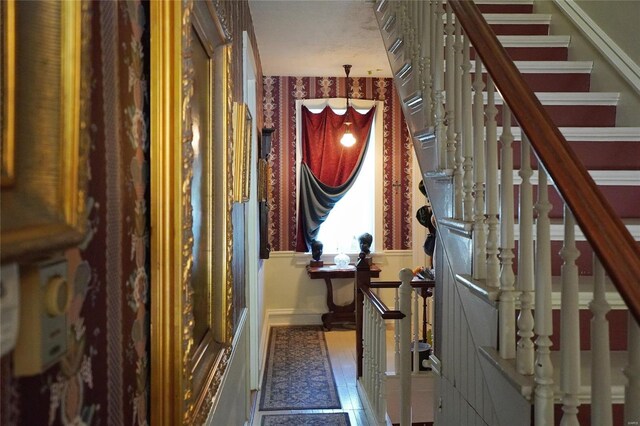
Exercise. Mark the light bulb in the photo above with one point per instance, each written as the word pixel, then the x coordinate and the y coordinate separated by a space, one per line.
pixel 348 139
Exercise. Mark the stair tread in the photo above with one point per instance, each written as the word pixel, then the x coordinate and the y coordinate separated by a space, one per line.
pixel 548 67
pixel 517 18
pixel 591 134
pixel 534 40
pixel 525 384
pixel 571 98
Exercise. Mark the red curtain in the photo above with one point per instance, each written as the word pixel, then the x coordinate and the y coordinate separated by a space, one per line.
pixel 330 163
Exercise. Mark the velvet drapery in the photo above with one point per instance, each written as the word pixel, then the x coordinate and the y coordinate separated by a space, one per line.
pixel 328 169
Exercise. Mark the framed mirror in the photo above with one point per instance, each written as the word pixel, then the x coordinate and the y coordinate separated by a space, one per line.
pixel 191 249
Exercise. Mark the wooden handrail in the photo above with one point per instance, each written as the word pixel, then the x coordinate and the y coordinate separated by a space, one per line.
pixel 380 306
pixel 602 227
pixel 396 284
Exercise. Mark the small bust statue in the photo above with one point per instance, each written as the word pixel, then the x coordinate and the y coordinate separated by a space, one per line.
pixel 365 242
pixel 316 250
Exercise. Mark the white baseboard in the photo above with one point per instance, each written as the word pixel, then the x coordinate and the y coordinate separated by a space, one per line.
pixel 294 317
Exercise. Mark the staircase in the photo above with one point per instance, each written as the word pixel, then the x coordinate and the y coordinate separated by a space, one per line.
pixel 508 245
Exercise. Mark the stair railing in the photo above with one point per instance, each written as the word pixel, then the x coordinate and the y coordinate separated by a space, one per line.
pixel 371 317
pixel 454 124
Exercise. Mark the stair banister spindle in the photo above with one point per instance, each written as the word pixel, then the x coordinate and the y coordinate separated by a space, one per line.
pixel 543 411
pixel 525 347
pixel 406 275
pixel 426 47
pixel 467 133
pixel 450 90
pixel 491 173
pixel 600 361
pixel 415 312
pixel 382 405
pixel 396 334
pixel 479 237
pixel 379 322
pixel 438 87
pixel 458 173
pixel 569 324
pixel 506 307
pixel 366 324
pixel 632 372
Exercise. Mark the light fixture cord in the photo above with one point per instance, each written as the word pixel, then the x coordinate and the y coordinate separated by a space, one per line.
pixel 347 69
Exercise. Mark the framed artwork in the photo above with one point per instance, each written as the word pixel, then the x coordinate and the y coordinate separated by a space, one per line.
pixel 241 152
pixel 263 191
pixel 45 140
pixel 191 250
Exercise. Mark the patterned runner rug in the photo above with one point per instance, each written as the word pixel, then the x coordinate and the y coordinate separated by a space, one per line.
pixel 298 373
pixel 329 419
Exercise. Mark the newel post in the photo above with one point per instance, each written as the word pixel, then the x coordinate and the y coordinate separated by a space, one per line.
pixel 363 278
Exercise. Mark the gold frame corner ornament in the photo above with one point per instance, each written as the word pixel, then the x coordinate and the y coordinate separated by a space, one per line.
pixel 186 374
pixel 57 195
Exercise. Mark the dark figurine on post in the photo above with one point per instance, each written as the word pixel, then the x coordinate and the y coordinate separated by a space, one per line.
pixel 316 253
pixel 365 242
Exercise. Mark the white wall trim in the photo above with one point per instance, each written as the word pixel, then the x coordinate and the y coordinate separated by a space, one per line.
pixel 242 323
pixel 276 317
pixel 626 66
pixel 302 259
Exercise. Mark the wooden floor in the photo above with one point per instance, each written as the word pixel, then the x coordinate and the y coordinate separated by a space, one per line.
pixel 342 351
pixel 341 343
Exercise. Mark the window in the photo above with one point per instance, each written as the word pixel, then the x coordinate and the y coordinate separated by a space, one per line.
pixel 360 210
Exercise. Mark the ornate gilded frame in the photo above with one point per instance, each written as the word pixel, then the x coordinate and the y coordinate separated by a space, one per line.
pixel 45 137
pixel 8 22
pixel 186 371
pixel 241 152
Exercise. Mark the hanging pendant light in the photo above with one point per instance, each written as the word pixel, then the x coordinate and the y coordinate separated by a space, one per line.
pixel 347 139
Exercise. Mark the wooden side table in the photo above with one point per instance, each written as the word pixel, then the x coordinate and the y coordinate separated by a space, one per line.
pixel 337 313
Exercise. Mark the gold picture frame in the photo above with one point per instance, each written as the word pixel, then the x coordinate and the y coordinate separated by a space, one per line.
pixel 45 140
pixel 8 22
pixel 191 249
pixel 241 152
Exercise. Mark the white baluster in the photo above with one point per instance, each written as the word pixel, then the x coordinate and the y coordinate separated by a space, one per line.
pixel 543 411
pixel 376 364
pixel 425 58
pixel 450 90
pixel 491 170
pixel 415 312
pixel 632 371
pixel 507 308
pixel 438 88
pixel 396 334
pixel 382 406
pixel 366 345
pixel 569 324
pixel 405 330
pixel 467 133
pixel 479 238
pixel 525 349
pixel 600 356
pixel 458 174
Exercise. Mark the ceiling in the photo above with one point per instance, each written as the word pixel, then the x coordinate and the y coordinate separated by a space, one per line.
pixel 314 38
